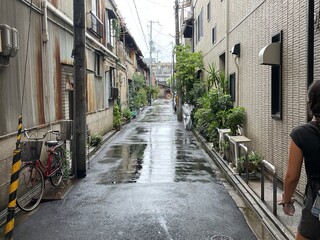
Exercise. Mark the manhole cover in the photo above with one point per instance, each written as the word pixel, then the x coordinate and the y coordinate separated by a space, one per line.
pixel 220 237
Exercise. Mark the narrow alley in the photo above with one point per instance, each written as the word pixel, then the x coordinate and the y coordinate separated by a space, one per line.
pixel 151 181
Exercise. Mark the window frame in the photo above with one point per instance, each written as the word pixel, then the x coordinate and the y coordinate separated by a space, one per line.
pixel 214 35
pixel 209 11
pixel 97 64
pixel 276 82
pixel 200 25
pixel 232 86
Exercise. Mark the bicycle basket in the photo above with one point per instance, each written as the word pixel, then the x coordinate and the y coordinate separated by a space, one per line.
pixel 30 150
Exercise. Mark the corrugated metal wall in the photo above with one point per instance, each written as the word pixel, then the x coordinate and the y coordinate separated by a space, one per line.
pixel 48 72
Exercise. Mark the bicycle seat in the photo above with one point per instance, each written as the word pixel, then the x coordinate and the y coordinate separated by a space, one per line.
pixel 51 143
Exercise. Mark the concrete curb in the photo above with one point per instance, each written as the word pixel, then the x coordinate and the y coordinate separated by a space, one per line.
pixel 274 225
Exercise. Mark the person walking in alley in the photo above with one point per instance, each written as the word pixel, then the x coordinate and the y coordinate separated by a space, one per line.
pixel 305 145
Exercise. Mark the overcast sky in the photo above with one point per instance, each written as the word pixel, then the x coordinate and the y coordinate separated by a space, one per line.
pixel 161 13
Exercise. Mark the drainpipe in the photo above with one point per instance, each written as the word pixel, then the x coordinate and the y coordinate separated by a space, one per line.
pixel 310 52
pixel 227 39
pixel 236 62
pixel 45 34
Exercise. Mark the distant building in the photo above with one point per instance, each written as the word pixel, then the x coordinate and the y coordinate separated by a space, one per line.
pixel 163 71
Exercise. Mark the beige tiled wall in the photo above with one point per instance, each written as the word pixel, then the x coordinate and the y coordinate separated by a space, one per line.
pixel 252 23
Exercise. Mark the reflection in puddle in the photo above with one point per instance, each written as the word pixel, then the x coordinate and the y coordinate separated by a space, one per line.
pixel 124 164
pixel 156 152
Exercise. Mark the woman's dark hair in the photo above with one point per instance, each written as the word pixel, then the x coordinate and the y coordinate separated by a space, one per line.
pixel 314 99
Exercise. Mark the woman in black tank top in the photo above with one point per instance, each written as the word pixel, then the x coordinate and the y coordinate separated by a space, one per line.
pixel 305 146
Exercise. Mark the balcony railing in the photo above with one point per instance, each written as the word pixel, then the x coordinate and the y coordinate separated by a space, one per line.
pixel 95 25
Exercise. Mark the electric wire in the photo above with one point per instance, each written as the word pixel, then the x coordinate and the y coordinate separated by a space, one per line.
pixel 26 60
pixel 132 14
pixel 144 36
pixel 156 3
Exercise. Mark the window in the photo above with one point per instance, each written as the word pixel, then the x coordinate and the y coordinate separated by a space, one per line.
pixel 214 37
pixel 110 82
pixel 110 22
pixel 200 25
pixel 95 7
pixel 110 32
pixel 95 25
pixel 97 64
pixel 196 30
pixel 233 86
pixel 276 85
pixel 209 11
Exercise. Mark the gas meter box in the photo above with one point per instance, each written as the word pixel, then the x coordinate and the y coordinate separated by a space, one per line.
pixel 6 39
pixel 15 42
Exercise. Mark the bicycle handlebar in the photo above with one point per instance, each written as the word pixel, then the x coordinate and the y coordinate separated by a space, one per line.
pixel 25 132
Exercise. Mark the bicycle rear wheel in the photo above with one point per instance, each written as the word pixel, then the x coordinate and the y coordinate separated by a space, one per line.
pixel 57 160
pixel 31 187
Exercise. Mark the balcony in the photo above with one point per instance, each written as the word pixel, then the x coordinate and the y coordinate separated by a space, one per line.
pixel 95 25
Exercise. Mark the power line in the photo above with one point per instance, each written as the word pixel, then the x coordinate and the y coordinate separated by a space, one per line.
pixel 156 3
pixel 144 36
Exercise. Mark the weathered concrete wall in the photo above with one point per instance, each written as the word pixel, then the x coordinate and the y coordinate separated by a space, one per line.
pixel 100 122
pixel 48 89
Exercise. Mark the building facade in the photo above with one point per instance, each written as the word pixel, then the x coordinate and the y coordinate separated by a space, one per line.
pixel 37 76
pixel 263 47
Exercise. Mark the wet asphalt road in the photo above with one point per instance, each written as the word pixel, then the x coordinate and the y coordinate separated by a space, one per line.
pixel 151 181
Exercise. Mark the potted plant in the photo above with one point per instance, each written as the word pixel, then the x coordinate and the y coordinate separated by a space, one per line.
pixel 254 161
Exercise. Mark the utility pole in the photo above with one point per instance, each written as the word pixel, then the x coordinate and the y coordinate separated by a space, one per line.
pixel 150 46
pixel 172 85
pixel 79 122
pixel 151 50
pixel 179 103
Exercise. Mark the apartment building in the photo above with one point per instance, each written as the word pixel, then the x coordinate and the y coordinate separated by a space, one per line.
pixel 266 48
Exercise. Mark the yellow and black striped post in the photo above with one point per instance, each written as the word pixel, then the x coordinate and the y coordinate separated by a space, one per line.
pixel 16 163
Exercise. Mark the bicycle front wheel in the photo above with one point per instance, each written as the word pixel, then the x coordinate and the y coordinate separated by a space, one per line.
pixel 57 158
pixel 30 188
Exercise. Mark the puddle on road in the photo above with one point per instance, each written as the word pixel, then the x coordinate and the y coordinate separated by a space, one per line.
pixel 125 162
pixel 139 161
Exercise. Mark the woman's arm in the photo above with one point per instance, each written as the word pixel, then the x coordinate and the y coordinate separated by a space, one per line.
pixel 293 172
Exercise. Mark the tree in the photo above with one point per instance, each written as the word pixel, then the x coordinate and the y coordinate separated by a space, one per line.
pixel 187 66
pixel 216 78
pixel 137 92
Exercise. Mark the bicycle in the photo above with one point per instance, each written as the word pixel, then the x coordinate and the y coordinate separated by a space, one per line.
pixel 33 173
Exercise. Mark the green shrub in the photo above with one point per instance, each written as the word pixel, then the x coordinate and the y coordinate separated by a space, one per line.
pixel 95 140
pixel 211 113
pixel 66 159
pixel 117 117
pixel 126 113
pixel 254 161
pixel 234 118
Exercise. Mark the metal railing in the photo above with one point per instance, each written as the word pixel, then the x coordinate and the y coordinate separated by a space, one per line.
pixel 95 25
pixel 271 168
pixel 241 145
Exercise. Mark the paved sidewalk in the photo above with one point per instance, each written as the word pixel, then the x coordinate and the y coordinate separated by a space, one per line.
pixel 280 225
